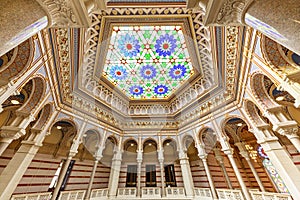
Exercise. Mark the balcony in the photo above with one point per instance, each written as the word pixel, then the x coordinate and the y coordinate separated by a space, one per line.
pixel 154 193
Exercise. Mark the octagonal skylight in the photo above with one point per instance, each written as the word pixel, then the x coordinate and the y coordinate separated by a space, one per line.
pixel 147 62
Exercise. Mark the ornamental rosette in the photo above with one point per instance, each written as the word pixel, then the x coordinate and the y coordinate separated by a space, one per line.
pixel 148 72
pixel 118 72
pixel 165 45
pixel 128 45
pixel 177 71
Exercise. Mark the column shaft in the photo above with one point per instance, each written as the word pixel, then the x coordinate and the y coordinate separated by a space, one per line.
pixel 260 184
pixel 114 175
pixel 88 192
pixel 187 177
pixel 61 177
pixel 139 168
pixel 14 171
pixel 162 176
pixel 209 177
pixel 239 177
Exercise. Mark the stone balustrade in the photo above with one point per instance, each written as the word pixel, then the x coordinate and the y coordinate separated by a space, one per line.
pixel 127 192
pixel 68 195
pixel 175 192
pixel 268 195
pixel 226 194
pixel 151 192
pixel 203 193
pixel 99 194
pixel 33 196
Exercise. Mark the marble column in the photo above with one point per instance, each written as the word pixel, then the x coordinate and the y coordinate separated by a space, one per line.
pixel 15 169
pixel 20 20
pixel 244 154
pixel 276 19
pixel 160 156
pixel 73 151
pixel 229 153
pixel 114 174
pixel 209 177
pixel 186 174
pixel 220 160
pixel 62 174
pixel 115 171
pixel 139 160
pixel 89 190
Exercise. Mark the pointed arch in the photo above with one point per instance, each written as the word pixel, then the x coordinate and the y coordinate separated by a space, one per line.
pixel 44 117
pixel 38 90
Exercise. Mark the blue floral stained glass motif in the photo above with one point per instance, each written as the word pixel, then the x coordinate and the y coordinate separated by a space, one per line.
pixel 277 180
pixel 147 62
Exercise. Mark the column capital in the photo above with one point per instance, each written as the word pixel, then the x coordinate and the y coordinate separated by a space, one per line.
pixel 226 12
pixel 12 132
pixel 287 128
pixel 228 152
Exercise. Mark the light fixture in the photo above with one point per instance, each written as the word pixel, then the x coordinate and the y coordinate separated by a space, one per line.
pixel 149 144
pixel 168 144
pixel 239 124
pixel 59 127
pixel 280 98
pixel 132 144
pixel 15 102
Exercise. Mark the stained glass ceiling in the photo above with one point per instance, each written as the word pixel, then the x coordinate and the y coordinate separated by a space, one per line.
pixel 147 62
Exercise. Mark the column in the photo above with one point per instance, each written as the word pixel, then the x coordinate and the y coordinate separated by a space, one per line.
pixel 13 131
pixel 220 160
pixel 7 92
pixel 185 170
pixel 88 192
pixel 15 169
pixel 160 155
pixel 229 153
pixel 115 171
pixel 186 174
pixel 25 25
pixel 139 160
pixel 267 16
pixel 226 148
pixel 98 155
pixel 244 154
pixel 203 156
pixel 73 151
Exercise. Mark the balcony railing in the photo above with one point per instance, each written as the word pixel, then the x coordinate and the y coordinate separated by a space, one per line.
pixel 175 192
pixel 225 194
pixel 127 192
pixel 74 195
pixel 151 192
pixel 203 193
pixel 268 195
pixel 34 196
pixel 99 194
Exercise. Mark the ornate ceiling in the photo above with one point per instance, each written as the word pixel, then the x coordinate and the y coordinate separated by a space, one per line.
pixel 152 68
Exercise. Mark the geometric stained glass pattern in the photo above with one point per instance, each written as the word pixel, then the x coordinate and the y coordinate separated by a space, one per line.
pixel 277 180
pixel 147 62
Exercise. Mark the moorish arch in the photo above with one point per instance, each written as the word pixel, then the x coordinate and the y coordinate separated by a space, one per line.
pixel 16 61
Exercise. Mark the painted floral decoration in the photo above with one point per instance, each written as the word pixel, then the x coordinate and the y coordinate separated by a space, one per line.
pixel 161 89
pixel 177 71
pixel 165 45
pixel 136 90
pixel 129 45
pixel 118 72
pixel 148 72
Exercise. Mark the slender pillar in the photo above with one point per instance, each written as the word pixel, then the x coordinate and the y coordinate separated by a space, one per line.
pixel 244 154
pixel 139 160
pixel 62 174
pixel 73 151
pixel 186 174
pixel 115 171
pixel 160 155
pixel 209 177
pixel 220 159
pixel 88 192
pixel 229 153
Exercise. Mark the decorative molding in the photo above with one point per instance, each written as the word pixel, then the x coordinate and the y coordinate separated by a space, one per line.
pixel 66 13
pixel 226 12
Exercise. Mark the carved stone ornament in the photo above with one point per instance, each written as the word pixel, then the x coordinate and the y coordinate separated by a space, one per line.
pixel 66 13
pixel 226 12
